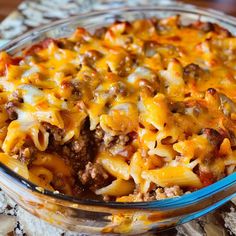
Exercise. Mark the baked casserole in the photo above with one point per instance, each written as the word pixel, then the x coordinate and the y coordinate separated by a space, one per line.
pixel 135 111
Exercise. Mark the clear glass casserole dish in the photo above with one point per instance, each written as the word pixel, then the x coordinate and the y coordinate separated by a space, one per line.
pixel 92 216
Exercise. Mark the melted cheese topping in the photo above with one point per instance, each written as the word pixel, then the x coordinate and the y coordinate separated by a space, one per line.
pixel 172 86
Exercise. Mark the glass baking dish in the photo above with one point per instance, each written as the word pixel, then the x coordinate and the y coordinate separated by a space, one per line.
pixel 96 217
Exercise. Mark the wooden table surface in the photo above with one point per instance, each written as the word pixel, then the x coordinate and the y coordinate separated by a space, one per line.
pixel 228 6
pixel 7 6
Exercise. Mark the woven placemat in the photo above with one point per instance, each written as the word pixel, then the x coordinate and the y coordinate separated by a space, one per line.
pixel 16 221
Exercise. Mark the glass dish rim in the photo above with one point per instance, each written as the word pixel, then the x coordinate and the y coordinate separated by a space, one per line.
pixel 169 203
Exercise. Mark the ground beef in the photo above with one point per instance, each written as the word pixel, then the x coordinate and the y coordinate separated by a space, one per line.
pixel 112 141
pixel 125 65
pixel 108 140
pixel 100 32
pixel 117 144
pixel 206 177
pixel 158 193
pixel 214 137
pixel 80 151
pixel 163 193
pixel 56 132
pixel 193 71
pixel 12 105
pixel 78 145
pixel 168 192
pixel 76 89
pixel 77 152
pixel 98 134
pixel 26 154
pixel 55 137
pixel 11 110
pixel 146 197
pixel 65 44
pixel 211 91
pixel 94 176
pixel 177 107
pixel 90 57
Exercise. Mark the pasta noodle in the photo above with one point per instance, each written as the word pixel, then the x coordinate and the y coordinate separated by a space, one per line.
pixel 117 188
pixel 42 173
pixel 170 176
pixel 15 165
pixel 115 165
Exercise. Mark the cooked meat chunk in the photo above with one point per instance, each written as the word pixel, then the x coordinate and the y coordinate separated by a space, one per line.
pixel 65 44
pixel 118 144
pixel 77 152
pixel 168 192
pixel 192 71
pixel 109 140
pixel 211 91
pixel 173 191
pixel 11 110
pixel 214 137
pixel 160 193
pixel 124 64
pixel 80 151
pixel 26 154
pixel 99 134
pixel 78 145
pixel 55 131
pixel 90 57
pixel 118 88
pixel 93 176
pixel 76 89
pixel 12 105
pixel 177 107
pixel 56 136
pixel 149 196
pixel 100 32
